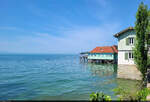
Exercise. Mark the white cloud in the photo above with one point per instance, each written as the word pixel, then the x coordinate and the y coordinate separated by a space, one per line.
pixel 73 41
pixel 73 38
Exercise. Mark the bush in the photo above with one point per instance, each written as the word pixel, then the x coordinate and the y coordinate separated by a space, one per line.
pixel 142 94
pixel 126 95
pixel 99 97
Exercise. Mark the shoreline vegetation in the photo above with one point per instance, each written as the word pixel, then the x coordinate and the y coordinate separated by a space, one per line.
pixel 142 61
pixel 126 90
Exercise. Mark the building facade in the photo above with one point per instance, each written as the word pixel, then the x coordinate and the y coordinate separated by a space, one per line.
pixel 126 66
pixel 105 53
pixel 126 41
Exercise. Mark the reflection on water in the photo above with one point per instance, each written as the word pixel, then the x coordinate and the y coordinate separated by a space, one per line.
pixel 102 70
pixel 53 77
pixel 110 70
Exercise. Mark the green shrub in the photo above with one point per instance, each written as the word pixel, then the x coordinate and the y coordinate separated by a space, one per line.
pixel 126 95
pixel 142 94
pixel 99 97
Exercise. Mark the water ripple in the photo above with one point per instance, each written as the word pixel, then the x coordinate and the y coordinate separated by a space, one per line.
pixel 51 77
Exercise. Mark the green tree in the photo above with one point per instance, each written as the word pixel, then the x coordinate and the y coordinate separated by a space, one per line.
pixel 149 27
pixel 141 28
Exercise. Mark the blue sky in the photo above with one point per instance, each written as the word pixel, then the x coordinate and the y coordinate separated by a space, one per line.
pixel 63 26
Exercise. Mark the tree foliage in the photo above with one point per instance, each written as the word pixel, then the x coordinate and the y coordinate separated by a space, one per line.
pixel 141 28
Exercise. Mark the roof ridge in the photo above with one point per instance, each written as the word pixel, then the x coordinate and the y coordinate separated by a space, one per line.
pixel 113 48
pixel 104 49
pixel 122 31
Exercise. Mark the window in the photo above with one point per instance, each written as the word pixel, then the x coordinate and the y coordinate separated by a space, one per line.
pixel 131 41
pixel 130 55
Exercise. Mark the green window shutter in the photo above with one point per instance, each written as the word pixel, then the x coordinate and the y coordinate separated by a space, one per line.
pixel 134 40
pixel 126 56
pixel 127 41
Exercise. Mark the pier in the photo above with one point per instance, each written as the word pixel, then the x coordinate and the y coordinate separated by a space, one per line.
pixel 103 54
pixel 103 61
pixel 84 59
pixel 84 56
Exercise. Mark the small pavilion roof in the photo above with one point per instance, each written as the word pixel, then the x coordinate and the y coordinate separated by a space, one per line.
pixel 105 49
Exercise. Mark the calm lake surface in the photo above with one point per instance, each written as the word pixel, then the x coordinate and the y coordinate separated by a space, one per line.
pixel 55 77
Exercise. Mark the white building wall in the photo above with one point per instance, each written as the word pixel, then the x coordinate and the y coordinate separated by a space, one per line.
pixel 122 60
pixel 122 41
pixel 124 48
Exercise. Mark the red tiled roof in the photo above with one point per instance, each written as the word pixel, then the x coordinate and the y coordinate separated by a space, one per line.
pixel 105 49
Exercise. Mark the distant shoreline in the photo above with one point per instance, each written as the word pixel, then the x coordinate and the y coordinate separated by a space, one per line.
pixel 38 53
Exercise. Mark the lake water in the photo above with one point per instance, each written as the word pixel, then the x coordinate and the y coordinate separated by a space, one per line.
pixel 54 77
